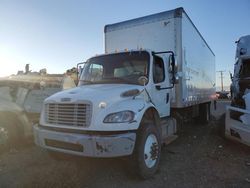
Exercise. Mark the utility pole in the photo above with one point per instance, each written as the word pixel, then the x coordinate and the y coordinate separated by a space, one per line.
pixel 221 79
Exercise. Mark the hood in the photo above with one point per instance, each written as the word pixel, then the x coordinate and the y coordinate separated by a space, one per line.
pixel 93 93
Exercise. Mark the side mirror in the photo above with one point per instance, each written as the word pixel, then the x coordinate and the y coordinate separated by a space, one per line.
pixel 143 80
pixel 79 70
pixel 172 64
pixel 231 76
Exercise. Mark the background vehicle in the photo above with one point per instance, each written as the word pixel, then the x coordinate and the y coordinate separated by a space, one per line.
pixel 156 69
pixel 241 77
pixel 21 98
pixel 237 115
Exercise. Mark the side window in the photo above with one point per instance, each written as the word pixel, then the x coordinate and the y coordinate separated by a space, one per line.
pixel 158 70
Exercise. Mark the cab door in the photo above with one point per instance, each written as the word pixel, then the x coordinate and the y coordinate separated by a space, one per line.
pixel 161 84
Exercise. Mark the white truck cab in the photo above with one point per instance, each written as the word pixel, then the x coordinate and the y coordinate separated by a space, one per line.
pixel 237 121
pixel 117 94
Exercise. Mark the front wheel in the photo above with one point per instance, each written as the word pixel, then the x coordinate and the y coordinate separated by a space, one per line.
pixel 147 152
pixel 10 134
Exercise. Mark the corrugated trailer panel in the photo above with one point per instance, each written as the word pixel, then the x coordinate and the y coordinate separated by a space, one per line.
pixel 198 66
pixel 153 32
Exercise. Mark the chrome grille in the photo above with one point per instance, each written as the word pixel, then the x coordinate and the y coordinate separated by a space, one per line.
pixel 74 114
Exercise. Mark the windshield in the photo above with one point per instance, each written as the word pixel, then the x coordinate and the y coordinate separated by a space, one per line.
pixel 123 68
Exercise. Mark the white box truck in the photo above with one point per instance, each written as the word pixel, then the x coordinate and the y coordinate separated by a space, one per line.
pixel 156 70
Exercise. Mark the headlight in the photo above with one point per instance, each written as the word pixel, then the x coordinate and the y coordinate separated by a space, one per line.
pixel 119 117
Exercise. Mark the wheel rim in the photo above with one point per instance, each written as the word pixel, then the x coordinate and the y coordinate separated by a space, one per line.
pixel 151 151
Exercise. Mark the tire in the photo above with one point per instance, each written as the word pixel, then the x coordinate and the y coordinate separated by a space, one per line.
pixel 11 135
pixel 4 138
pixel 222 125
pixel 204 113
pixel 147 151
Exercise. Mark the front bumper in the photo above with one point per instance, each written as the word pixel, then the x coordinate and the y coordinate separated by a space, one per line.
pixel 236 129
pixel 114 145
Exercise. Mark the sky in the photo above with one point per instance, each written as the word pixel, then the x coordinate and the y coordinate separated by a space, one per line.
pixel 58 34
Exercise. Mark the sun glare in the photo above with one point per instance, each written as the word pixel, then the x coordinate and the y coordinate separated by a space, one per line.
pixel 9 62
pixel 7 67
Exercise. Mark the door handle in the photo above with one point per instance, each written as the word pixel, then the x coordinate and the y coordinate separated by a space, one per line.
pixel 167 98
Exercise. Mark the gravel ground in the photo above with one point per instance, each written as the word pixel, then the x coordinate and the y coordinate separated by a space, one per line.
pixel 198 158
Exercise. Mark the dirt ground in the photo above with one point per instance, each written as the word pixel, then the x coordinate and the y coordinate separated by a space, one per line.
pixel 198 158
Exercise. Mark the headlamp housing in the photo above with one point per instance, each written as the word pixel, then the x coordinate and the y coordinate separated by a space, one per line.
pixel 120 117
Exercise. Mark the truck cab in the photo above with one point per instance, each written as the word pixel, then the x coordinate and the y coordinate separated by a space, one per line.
pixel 121 107
pixel 128 68
pixel 237 118
pixel 241 79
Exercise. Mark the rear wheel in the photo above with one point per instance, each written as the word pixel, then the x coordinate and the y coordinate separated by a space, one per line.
pixel 204 112
pixel 147 152
pixel 222 126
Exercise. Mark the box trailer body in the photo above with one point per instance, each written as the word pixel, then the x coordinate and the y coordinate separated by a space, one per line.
pixel 171 30
pixel 156 70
